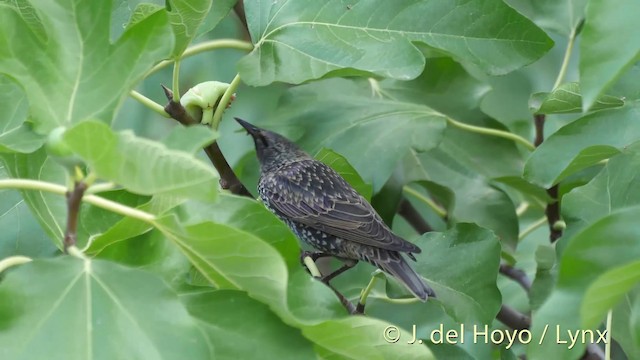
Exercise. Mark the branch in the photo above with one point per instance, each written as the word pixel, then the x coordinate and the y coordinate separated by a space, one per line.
pixel 513 318
pixel 74 199
pixel 553 208
pixel 553 214
pixel 539 123
pixel 411 214
pixel 516 275
pixel 308 260
pixel 518 321
pixel 492 132
pixel 239 10
pixel 228 179
pixel 205 46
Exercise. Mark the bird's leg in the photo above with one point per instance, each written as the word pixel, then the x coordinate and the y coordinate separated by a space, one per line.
pixel 348 264
pixel 351 309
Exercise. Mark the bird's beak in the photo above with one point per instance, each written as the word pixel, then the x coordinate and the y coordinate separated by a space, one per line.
pixel 252 130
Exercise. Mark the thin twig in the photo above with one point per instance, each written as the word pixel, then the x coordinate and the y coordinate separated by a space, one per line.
pixel 239 10
pixel 203 47
pixel 74 199
pixel 426 200
pixel 553 207
pixel 532 228
pixel 516 275
pixel 513 318
pixel 492 132
pixel 228 179
pixel 411 214
pixel 309 262
pixel 553 214
pixel 539 123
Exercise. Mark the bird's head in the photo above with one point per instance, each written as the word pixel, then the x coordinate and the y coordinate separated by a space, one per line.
pixel 273 150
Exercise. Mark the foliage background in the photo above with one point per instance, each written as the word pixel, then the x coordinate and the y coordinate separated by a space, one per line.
pixel 430 102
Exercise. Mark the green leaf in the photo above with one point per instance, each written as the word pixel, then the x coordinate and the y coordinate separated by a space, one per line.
pixel 248 215
pixel 342 166
pixel 635 322
pixel 445 86
pixel 94 221
pixel 356 124
pixel 21 234
pixel 475 199
pixel 219 9
pixel 559 16
pixel 311 301
pixel 49 209
pixel 567 98
pixel 359 337
pixel 15 134
pixel 606 291
pixel 311 39
pixel 127 227
pixel 583 143
pixel 185 17
pixel 29 15
pixel 234 259
pixel 467 290
pixel 77 72
pixel 77 309
pixel 545 276
pixel 624 324
pixel 237 325
pixel 612 189
pixel 127 13
pixel 597 254
pixel 190 139
pixel 604 54
pixel 524 187
pixel 141 166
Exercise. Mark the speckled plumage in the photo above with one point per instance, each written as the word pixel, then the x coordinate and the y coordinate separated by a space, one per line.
pixel 325 211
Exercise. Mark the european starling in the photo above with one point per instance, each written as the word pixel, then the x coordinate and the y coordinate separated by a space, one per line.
pixel 323 210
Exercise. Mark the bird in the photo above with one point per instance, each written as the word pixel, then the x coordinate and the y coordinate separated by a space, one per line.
pixel 325 211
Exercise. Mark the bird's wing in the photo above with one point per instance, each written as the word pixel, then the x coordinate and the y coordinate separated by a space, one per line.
pixel 313 194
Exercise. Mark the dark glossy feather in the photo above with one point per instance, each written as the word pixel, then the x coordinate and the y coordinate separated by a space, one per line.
pixel 311 193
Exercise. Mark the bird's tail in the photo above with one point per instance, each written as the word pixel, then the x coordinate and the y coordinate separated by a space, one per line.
pixel 395 265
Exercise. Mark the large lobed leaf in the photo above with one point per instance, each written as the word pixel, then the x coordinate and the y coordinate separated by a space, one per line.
pixel 61 54
pixel 248 215
pixel 360 337
pixel 21 234
pixel 300 40
pixel 597 268
pixel 604 52
pixel 49 209
pixel 567 98
pixel 237 325
pixel 583 143
pixel 461 265
pixel 185 17
pixel 614 188
pixel 15 134
pixel 362 127
pixel 141 166
pixel 65 308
